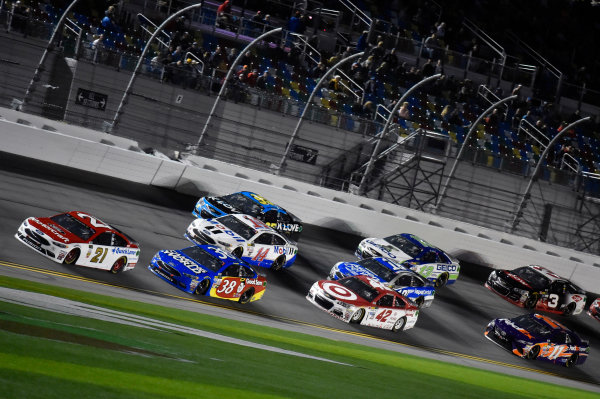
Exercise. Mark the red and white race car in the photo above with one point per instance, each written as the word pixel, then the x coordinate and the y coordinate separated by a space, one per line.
pixel 76 238
pixel 594 309
pixel 364 300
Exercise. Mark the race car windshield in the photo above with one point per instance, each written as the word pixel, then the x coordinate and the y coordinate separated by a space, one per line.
pixel 204 258
pixel 404 245
pixel 73 225
pixel 237 226
pixel 532 325
pixel 377 268
pixel 243 203
pixel 537 280
pixel 360 288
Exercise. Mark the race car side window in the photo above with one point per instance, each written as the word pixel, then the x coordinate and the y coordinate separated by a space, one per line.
pixel 246 271
pixel 270 216
pixel 278 240
pixel 404 281
pixel 232 271
pixel 399 303
pixel 265 239
pixel 386 300
pixel 430 257
pixel 118 241
pixel 103 239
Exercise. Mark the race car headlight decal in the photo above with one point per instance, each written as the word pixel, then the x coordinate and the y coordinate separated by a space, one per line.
pixel 520 291
pixel 345 305
pixel 225 244
pixel 59 244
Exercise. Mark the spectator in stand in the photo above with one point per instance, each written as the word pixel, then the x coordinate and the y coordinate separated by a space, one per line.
pixel 295 22
pixel 377 52
pixel 347 53
pixel 195 50
pixel 224 16
pixel 98 42
pixel 107 22
pixel 404 111
pixel 358 73
pixel 392 60
pixel 428 69
pixel 262 80
pixel 177 55
pixel 430 47
pixel 217 58
pixel 368 110
pixel 370 87
pixel 267 22
pixel 318 70
pixel 242 74
pixel 257 23
pixel 361 43
pixel 252 78
pixel 440 30
pixel 335 84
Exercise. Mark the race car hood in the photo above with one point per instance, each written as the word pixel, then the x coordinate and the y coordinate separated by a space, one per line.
pixel 217 232
pixel 221 205
pixel 180 262
pixel 513 280
pixel 53 230
pixel 336 291
pixel 388 249
pixel 354 269
pixel 514 331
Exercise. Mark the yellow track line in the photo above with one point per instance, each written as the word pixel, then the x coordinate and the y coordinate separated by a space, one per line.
pixel 429 349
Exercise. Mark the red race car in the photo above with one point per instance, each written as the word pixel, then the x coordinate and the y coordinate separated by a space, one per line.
pixel 76 238
pixel 364 300
pixel 594 309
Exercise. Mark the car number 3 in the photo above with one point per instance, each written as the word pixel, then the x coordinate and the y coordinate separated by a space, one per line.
pixel 552 300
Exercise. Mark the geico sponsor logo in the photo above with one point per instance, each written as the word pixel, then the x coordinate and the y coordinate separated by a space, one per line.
pixel 124 251
pixel 447 268
pixel 186 262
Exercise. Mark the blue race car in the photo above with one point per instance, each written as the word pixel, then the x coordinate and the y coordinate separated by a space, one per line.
pixel 209 270
pixel 535 336
pixel 414 253
pixel 252 204
pixel 392 274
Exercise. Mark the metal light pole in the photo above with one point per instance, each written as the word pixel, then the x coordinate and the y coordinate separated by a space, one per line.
pixel 40 67
pixel 231 69
pixel 464 144
pixel 388 121
pixel 141 59
pixel 534 175
pixel 308 102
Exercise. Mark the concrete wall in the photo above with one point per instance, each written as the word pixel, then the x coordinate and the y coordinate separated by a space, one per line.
pixel 315 205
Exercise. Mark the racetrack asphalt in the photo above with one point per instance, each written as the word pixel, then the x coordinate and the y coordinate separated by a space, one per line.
pixel 451 329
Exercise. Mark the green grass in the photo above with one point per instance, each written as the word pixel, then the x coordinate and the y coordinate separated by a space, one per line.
pixel 187 366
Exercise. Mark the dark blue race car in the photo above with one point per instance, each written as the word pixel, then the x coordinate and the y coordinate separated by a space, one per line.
pixel 252 204
pixel 209 270
pixel 392 274
pixel 535 336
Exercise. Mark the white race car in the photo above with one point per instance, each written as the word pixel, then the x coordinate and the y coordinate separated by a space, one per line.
pixel 247 238
pixel 416 254
pixel 80 239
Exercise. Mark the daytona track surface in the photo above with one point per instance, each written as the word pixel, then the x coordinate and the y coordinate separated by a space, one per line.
pixel 157 219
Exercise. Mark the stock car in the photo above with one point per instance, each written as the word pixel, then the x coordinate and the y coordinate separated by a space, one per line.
pixel 414 253
pixel 77 238
pixel 364 300
pixel 594 309
pixel 534 336
pixel 249 203
pixel 208 270
pixel 536 287
pixel 245 237
pixel 392 274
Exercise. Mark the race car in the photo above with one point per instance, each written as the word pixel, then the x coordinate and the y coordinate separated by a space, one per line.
pixel 252 204
pixel 414 253
pixel 245 237
pixel 364 300
pixel 535 287
pixel 534 336
pixel 77 238
pixel 209 270
pixel 594 309
pixel 392 274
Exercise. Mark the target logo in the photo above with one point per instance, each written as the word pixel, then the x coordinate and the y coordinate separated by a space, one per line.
pixel 339 291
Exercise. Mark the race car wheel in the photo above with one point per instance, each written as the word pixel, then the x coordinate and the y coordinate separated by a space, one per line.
pixel 569 309
pixel 533 352
pixel 202 287
pixel 399 324
pixel 238 252
pixel 246 296
pixel 531 301
pixel 118 266
pixel 278 264
pixel 419 301
pixel 441 280
pixel 572 361
pixel 72 257
pixel 357 316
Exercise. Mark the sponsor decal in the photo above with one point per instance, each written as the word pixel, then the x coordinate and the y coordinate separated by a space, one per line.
pixel 577 298
pixel 415 291
pixel 355 269
pixel 220 202
pixel 339 291
pixel 447 268
pixel 31 243
pixel 193 266
pixel 163 274
pixel 519 279
pixel 293 227
pixel 52 230
pixel 124 251
pixel 283 250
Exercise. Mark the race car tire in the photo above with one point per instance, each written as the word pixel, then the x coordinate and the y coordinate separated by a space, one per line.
pixel 572 361
pixel 441 280
pixel 238 252
pixel 399 324
pixel 72 257
pixel 278 264
pixel 246 296
pixel 531 301
pixel 202 287
pixel 118 266
pixel 357 316
pixel 533 352
pixel 569 309
pixel 419 301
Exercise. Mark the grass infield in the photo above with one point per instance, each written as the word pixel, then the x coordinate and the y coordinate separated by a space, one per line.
pixel 51 355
